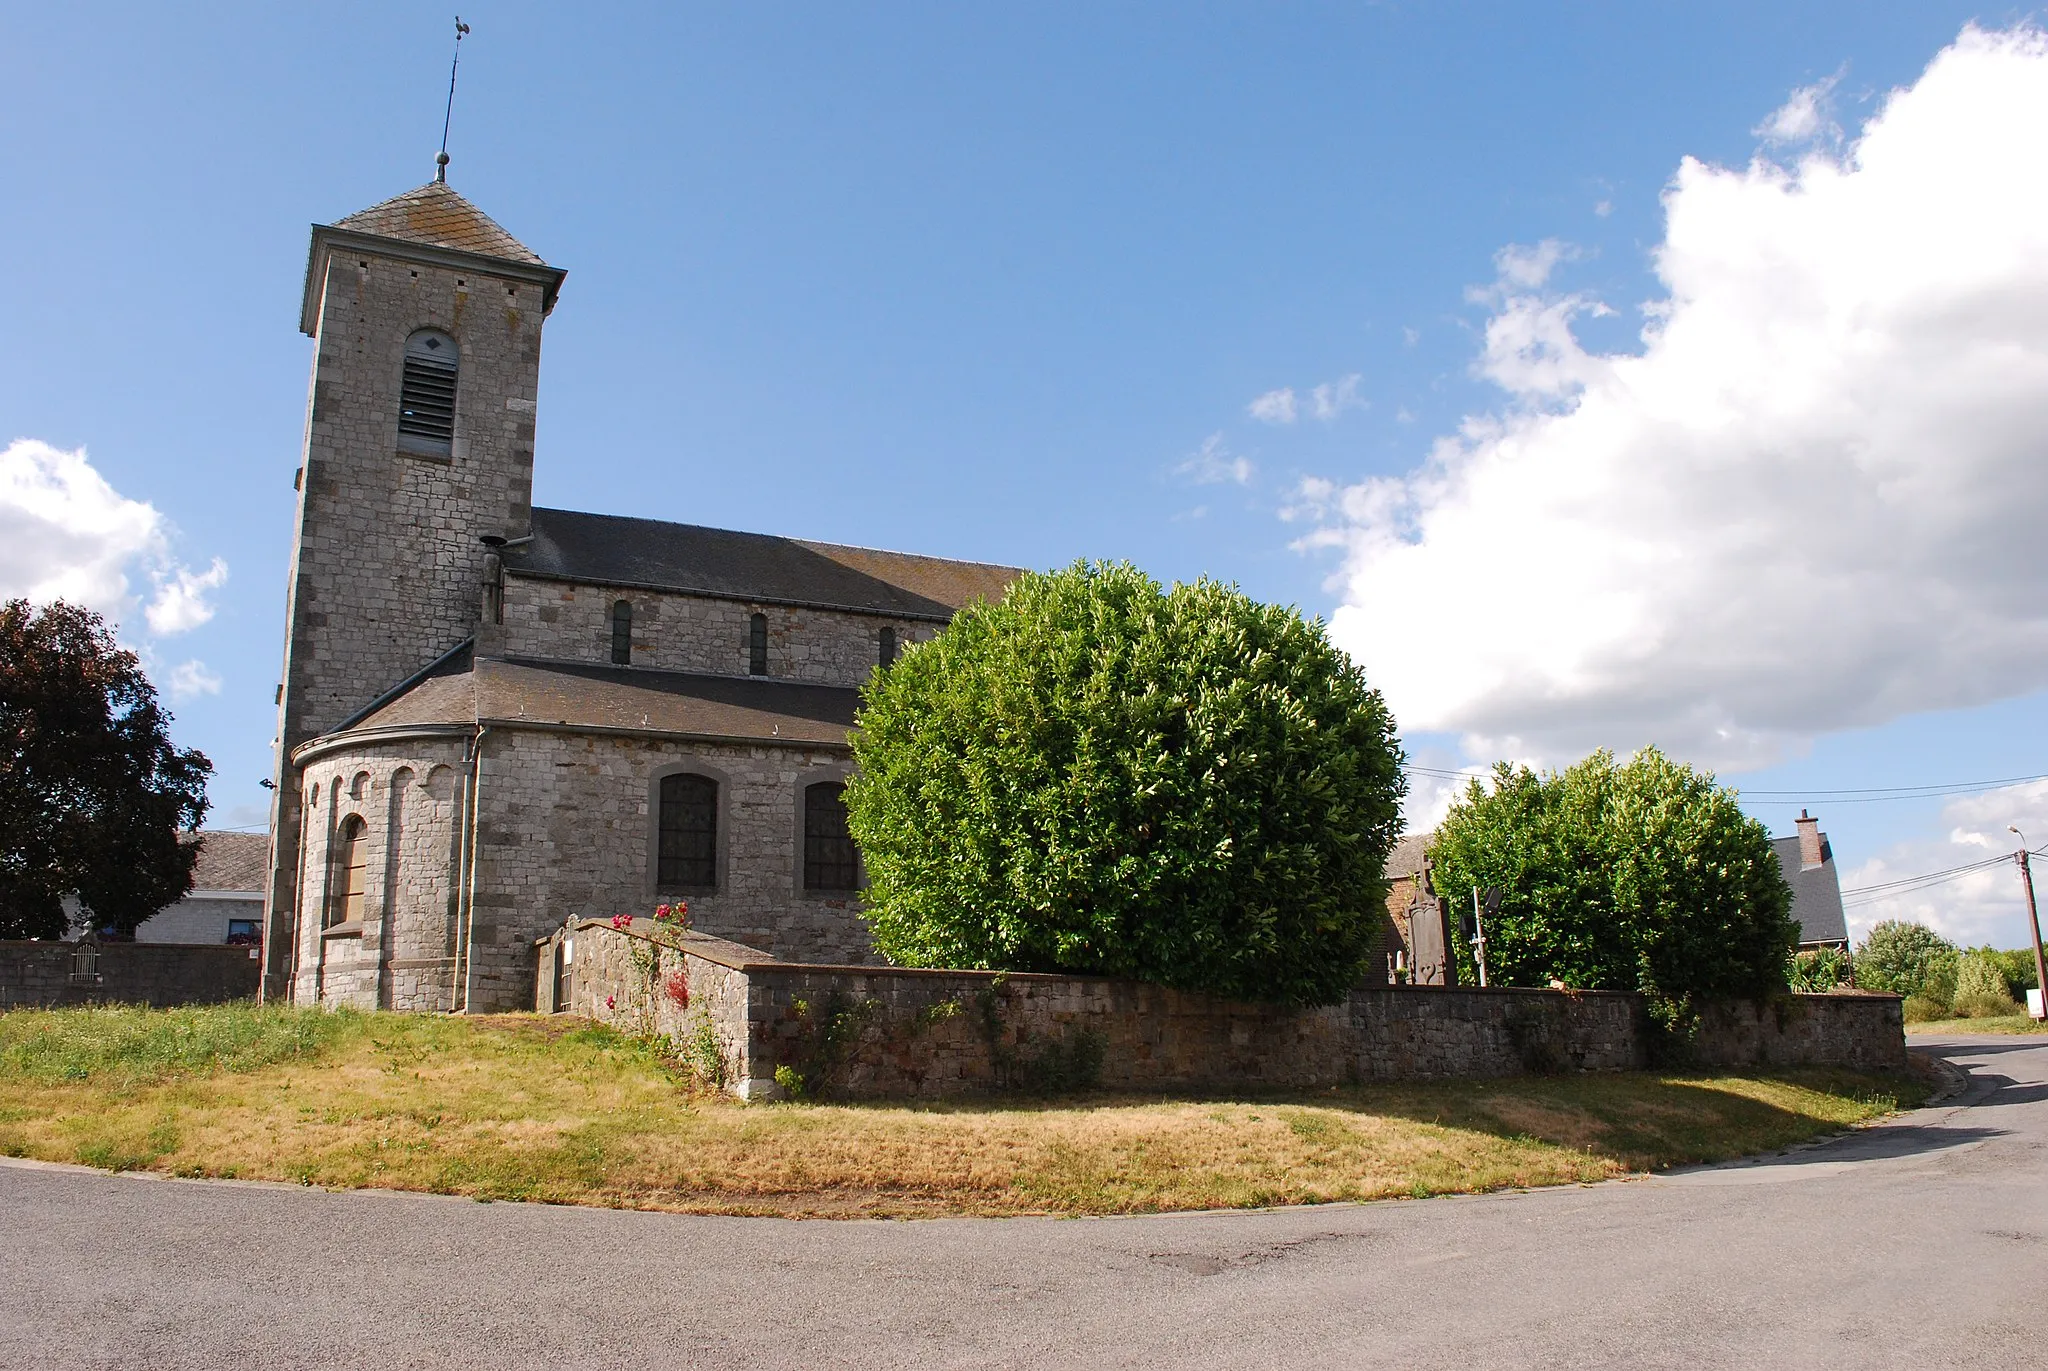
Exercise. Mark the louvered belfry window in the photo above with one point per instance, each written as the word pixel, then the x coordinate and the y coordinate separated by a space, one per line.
pixel 688 853
pixel 831 862
pixel 426 396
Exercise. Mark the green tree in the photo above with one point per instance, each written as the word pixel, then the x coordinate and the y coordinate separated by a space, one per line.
pixel 1097 775
pixel 1981 987
pixel 1644 876
pixel 93 797
pixel 1908 959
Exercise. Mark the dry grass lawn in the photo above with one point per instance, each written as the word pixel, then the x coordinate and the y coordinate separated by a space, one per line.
pixel 524 1108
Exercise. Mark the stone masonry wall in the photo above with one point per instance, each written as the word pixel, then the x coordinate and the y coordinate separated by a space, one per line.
pixel 1867 1032
pixel 934 1034
pixel 46 974
pixel 592 965
pixel 565 830
pixel 567 622
pixel 402 954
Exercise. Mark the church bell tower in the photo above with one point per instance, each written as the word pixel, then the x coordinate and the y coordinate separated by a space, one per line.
pixel 426 318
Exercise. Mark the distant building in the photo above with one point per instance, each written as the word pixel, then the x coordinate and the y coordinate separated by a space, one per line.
pixel 226 901
pixel 1809 865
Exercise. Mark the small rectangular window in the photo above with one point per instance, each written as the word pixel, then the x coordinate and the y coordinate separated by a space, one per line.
pixel 622 633
pixel 888 646
pixel 757 645
pixel 831 862
pixel 688 838
pixel 242 933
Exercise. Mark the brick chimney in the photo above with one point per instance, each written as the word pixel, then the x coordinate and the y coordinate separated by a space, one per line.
pixel 1809 841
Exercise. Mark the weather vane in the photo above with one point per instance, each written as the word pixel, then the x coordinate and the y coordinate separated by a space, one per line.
pixel 441 157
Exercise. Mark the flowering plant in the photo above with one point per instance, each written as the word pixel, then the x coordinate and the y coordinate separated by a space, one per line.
pixel 678 988
pixel 622 921
pixel 673 916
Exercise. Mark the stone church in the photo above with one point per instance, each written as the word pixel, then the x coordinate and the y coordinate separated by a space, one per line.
pixel 494 717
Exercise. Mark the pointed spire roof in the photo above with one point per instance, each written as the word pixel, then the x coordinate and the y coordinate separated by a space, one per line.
pixel 436 216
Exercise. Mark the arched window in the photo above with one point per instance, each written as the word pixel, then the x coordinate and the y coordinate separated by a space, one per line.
pixel 688 835
pixel 831 862
pixel 757 645
pixel 622 632
pixel 426 395
pixel 351 859
pixel 888 646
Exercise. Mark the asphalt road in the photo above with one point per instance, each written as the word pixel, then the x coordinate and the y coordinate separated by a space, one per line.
pixel 1920 1243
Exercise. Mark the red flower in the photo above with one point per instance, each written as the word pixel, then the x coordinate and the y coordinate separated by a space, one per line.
pixel 622 921
pixel 678 987
pixel 611 1002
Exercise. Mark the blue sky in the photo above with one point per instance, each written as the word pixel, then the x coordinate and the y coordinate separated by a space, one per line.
pixel 980 283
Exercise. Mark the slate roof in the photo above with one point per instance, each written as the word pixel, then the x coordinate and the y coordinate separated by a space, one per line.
pixel 1406 858
pixel 615 550
pixel 589 696
pixel 231 861
pixel 438 217
pixel 1816 892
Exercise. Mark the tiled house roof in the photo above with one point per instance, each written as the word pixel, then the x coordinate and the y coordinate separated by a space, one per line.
pixel 574 695
pixel 231 861
pixel 611 549
pixel 438 217
pixel 1816 892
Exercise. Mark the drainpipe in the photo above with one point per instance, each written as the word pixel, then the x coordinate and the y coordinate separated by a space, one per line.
pixel 465 918
pixel 291 980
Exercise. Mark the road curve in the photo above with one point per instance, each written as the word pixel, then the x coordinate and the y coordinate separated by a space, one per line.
pixel 1921 1242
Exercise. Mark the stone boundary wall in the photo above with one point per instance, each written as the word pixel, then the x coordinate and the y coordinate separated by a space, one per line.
pixel 874 1033
pixel 48 974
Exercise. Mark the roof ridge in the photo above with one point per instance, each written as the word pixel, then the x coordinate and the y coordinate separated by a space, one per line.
pixel 783 537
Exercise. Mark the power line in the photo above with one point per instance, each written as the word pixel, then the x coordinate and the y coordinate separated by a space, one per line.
pixel 1855 796
pixel 1892 792
pixel 1861 895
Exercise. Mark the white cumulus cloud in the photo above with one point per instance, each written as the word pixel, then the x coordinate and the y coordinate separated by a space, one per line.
pixel 179 604
pixel 1213 463
pixel 1811 502
pixel 1804 118
pixel 1332 398
pixel 192 678
pixel 1983 900
pixel 1274 407
pixel 66 534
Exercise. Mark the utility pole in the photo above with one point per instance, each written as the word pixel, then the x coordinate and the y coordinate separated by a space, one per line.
pixel 2033 923
pixel 1478 937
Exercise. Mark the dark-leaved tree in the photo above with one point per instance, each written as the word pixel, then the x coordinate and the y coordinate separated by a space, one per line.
pixel 1096 775
pixel 93 796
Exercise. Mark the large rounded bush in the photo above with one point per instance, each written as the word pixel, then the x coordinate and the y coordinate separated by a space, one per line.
pixel 1095 775
pixel 1644 876
pixel 1908 959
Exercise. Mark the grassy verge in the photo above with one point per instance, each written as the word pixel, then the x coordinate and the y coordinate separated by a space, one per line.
pixel 2005 1023
pixel 546 1109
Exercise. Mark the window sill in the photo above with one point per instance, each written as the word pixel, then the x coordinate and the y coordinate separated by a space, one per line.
pixel 351 929
pixel 425 452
